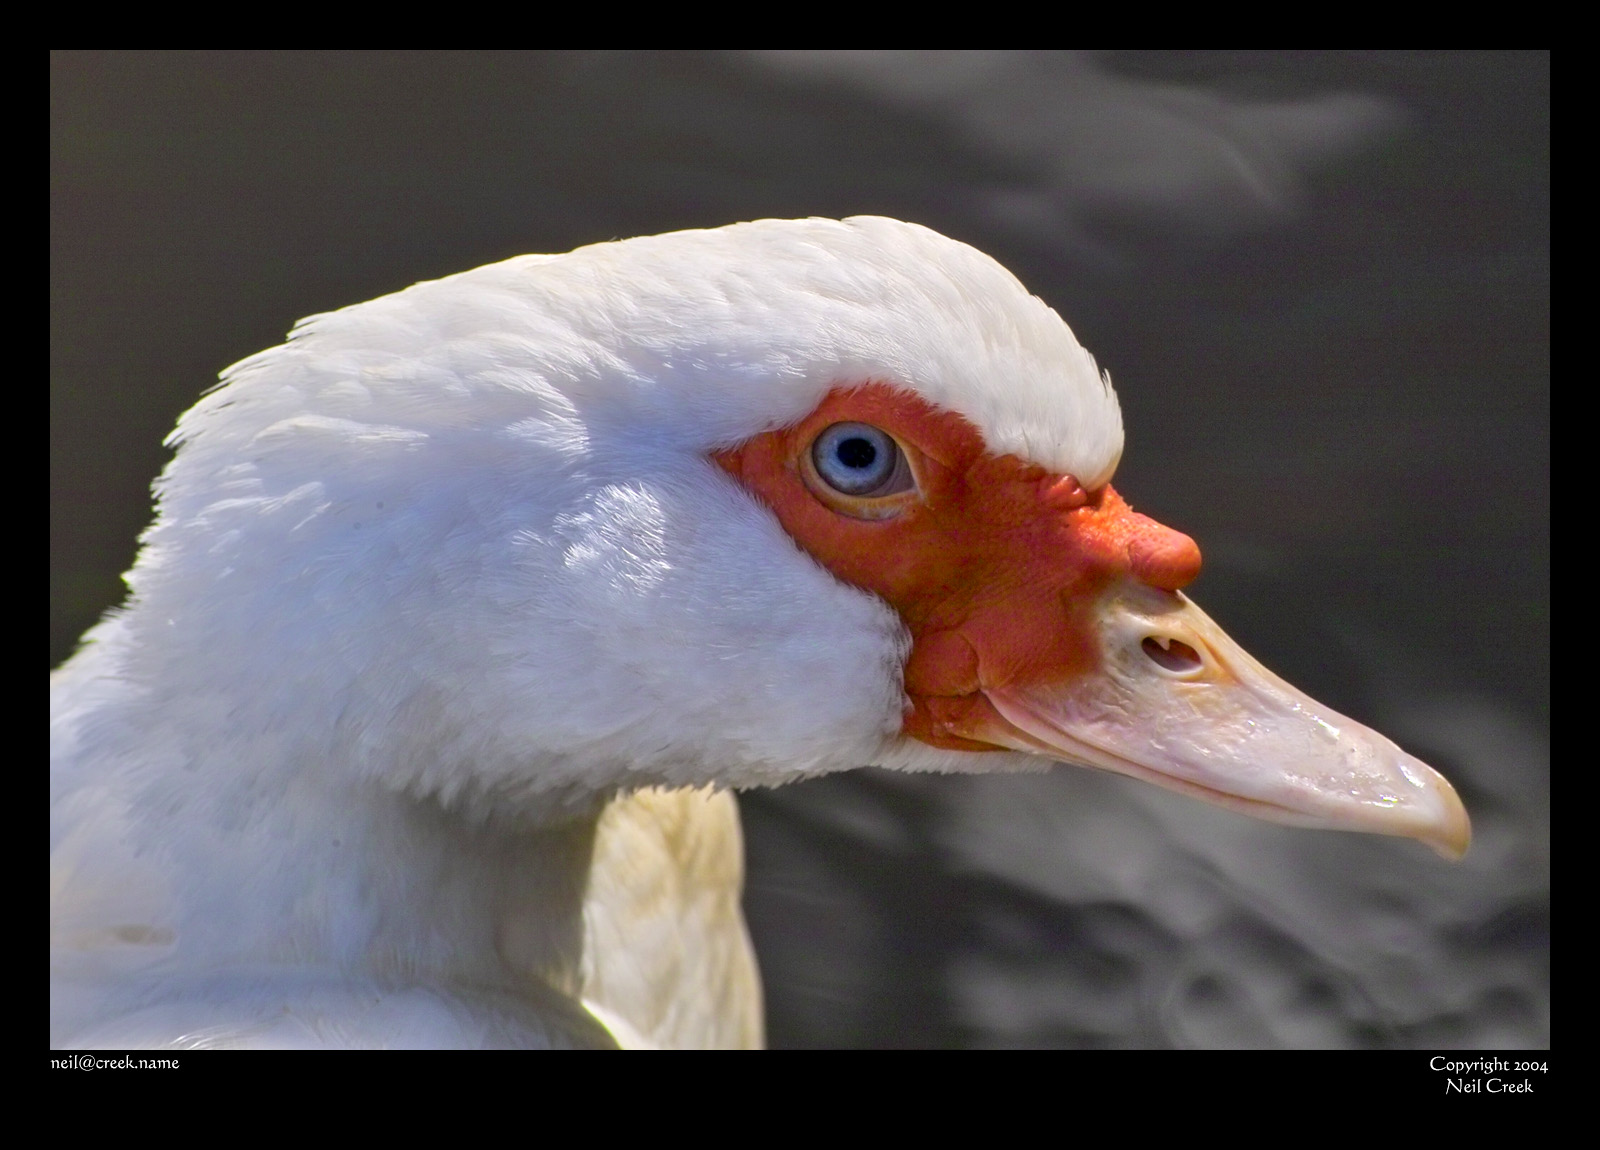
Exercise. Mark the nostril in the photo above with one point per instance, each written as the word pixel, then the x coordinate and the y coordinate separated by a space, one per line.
pixel 1172 654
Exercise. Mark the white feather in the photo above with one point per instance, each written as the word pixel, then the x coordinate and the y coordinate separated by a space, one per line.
pixel 436 579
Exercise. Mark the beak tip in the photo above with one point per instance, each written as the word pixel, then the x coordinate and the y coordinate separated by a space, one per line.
pixel 1449 845
pixel 1448 829
pixel 1452 835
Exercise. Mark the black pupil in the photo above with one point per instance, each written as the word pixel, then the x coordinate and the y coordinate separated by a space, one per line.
pixel 856 454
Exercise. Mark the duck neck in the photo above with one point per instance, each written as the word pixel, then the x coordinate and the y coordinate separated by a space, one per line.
pixel 663 957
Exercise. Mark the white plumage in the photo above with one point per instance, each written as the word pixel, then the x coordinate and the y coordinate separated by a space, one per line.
pixel 439 585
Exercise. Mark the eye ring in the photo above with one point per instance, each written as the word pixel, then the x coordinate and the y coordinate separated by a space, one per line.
pixel 859 461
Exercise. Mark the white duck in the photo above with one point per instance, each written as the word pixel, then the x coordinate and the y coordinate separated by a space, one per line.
pixel 464 608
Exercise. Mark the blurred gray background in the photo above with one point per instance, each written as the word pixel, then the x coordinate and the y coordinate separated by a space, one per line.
pixel 1321 284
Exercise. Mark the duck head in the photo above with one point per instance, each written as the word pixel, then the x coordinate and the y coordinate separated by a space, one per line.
pixel 734 506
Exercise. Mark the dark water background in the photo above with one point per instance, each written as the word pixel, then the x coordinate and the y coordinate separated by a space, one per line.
pixel 1321 283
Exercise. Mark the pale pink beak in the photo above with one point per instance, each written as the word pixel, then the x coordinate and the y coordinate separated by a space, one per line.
pixel 1179 704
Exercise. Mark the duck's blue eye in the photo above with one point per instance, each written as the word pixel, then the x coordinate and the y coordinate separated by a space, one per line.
pixel 858 459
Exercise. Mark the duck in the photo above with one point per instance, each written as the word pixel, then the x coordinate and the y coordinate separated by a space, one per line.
pixel 466 611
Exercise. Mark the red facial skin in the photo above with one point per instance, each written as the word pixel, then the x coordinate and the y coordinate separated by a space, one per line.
pixel 995 565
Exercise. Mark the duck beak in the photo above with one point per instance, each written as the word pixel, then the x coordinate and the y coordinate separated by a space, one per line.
pixel 1178 703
